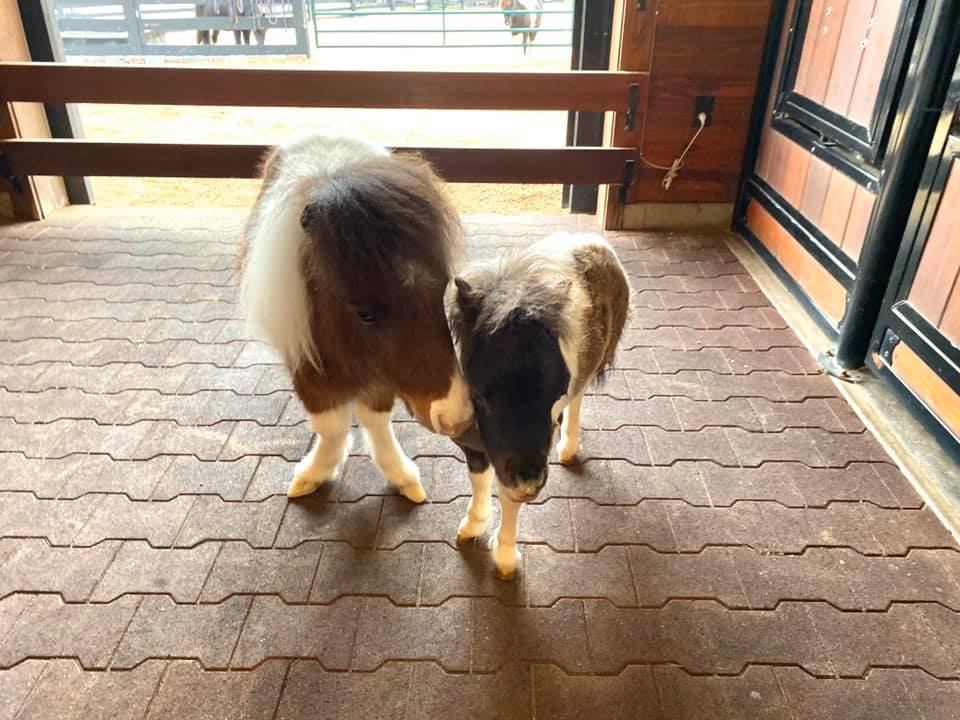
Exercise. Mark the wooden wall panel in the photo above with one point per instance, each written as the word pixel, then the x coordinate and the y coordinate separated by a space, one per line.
pixel 693 47
pixel 836 209
pixel 850 50
pixel 937 273
pixel 828 294
pixel 827 28
pixel 935 393
pixel 815 190
pixel 879 41
pixel 860 212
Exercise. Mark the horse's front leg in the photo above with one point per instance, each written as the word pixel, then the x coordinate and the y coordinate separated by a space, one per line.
pixel 569 444
pixel 474 523
pixel 506 557
pixel 400 471
pixel 328 453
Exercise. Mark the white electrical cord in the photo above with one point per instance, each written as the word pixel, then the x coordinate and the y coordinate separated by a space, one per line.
pixel 674 169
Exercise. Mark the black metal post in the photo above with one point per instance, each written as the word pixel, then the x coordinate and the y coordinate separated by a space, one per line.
pixel 758 115
pixel 591 51
pixel 64 120
pixel 925 91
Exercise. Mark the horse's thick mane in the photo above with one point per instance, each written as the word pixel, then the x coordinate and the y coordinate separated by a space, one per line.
pixel 519 286
pixel 331 212
pixel 380 214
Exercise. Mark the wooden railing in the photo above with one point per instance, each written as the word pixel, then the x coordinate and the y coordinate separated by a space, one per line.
pixel 622 92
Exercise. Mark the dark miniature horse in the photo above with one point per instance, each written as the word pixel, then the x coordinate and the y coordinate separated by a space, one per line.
pixel 532 332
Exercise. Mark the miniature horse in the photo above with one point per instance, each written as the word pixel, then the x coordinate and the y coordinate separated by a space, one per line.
pixel 531 331
pixel 521 23
pixel 348 251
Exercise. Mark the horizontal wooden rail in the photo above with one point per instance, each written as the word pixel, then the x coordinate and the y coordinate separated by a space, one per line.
pixel 270 87
pixel 479 165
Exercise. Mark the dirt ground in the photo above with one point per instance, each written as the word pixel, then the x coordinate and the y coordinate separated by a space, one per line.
pixel 391 127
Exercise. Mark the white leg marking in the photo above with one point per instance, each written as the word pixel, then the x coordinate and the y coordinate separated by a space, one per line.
pixel 504 549
pixel 569 444
pixel 474 523
pixel 400 471
pixel 328 453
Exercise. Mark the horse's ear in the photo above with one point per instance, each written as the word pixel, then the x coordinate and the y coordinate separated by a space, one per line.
pixel 468 300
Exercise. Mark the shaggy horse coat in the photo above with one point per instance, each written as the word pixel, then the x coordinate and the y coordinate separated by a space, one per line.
pixel 348 252
pixel 532 330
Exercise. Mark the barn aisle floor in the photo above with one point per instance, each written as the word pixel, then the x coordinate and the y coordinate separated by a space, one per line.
pixel 735 544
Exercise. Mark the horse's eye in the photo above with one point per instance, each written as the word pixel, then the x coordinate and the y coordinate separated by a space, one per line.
pixel 367 318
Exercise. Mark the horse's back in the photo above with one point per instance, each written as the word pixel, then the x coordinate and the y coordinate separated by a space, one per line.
pixel 601 299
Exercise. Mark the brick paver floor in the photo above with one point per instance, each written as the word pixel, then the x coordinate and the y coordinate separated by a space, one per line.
pixel 735 544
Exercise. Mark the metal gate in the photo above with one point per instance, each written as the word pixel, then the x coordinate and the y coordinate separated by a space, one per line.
pixel 916 344
pixel 432 24
pixel 165 28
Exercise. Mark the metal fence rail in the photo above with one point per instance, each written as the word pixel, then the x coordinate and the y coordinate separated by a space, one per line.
pixel 430 24
pixel 140 27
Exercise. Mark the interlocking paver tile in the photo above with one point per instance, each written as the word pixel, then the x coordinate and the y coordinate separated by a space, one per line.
pixel 310 691
pixel 439 633
pixel 79 695
pixel 631 694
pixel 162 629
pixel 210 517
pixel 732 542
pixel 241 569
pixel 16 685
pixel 313 518
pixel 116 517
pixel 322 632
pixel 755 694
pixel 189 692
pixel 395 573
pixel 30 565
pixel 46 627
pixel 503 634
pixel 138 568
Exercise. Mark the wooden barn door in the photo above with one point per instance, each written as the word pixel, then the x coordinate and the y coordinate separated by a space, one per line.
pixel 916 344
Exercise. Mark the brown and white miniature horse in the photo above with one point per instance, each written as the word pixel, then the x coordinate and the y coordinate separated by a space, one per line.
pixel 348 251
pixel 522 23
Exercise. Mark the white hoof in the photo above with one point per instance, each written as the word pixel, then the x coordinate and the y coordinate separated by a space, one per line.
pixel 568 451
pixel 413 492
pixel 471 528
pixel 505 559
pixel 405 477
pixel 304 483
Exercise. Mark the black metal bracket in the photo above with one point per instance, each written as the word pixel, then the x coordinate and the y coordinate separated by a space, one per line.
pixel 828 362
pixel 7 172
pixel 629 170
pixel 633 99
pixel 889 344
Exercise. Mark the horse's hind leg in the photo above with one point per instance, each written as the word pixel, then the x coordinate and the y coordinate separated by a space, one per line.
pixel 474 523
pixel 328 453
pixel 569 444
pixel 400 471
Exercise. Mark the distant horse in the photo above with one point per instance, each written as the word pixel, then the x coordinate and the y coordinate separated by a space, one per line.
pixel 233 9
pixel 348 251
pixel 524 24
pixel 532 332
